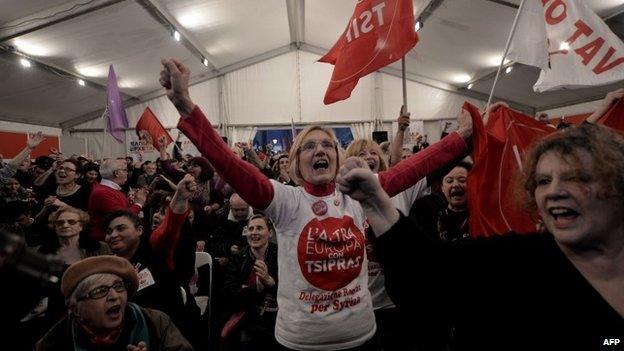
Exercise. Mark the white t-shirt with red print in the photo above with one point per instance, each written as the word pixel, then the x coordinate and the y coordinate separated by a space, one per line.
pixel 323 297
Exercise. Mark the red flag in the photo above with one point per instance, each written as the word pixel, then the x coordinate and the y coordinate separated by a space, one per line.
pixel 614 117
pixel 499 149
pixel 149 127
pixel 379 33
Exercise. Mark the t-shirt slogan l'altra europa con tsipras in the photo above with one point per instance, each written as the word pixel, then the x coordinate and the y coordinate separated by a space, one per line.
pixel 323 297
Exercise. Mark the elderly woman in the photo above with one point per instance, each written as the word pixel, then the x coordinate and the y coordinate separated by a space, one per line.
pixel 563 291
pixel 324 300
pixel 100 317
pixel 71 243
pixel 251 287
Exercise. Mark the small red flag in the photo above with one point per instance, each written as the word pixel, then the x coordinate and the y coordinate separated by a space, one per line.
pixel 499 149
pixel 379 33
pixel 614 117
pixel 149 128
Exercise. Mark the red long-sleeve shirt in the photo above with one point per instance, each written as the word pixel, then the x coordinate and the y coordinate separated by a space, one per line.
pixel 256 189
pixel 166 236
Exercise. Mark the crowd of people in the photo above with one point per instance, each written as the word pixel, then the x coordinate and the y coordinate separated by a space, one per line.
pixel 320 248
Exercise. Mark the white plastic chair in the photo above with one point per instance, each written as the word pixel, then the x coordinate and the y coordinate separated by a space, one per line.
pixel 204 302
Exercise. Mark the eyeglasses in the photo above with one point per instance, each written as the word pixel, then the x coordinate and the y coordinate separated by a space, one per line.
pixel 311 145
pixel 102 291
pixel 60 222
pixel 66 169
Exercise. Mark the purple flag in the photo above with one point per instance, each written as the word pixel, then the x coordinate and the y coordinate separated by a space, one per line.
pixel 115 113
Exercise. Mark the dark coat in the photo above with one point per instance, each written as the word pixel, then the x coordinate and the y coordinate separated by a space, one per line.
pixel 514 292
pixel 164 335
pixel 238 270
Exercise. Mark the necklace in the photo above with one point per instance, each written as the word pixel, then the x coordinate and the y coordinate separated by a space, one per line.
pixel 63 192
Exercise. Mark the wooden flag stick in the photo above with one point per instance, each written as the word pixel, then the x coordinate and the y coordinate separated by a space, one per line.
pixel 403 77
pixel 502 63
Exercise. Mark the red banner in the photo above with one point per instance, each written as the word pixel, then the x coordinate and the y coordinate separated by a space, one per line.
pixel 149 128
pixel 379 33
pixel 499 149
pixel 11 143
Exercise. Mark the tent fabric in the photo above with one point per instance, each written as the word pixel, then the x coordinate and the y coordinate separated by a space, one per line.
pixel 297 84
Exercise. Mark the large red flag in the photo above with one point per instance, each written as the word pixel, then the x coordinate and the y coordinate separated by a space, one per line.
pixel 149 127
pixel 499 149
pixel 379 33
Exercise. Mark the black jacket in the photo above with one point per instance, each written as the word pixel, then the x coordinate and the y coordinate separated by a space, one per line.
pixel 515 292
pixel 238 270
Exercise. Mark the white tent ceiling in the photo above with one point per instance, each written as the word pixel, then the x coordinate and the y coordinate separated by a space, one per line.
pixel 68 40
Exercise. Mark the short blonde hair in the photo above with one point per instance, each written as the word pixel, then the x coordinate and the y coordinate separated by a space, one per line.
pixel 293 156
pixel 359 145
pixel 83 217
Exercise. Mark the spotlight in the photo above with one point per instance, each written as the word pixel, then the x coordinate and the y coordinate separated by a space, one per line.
pixel 26 63
pixel 205 61
pixel 470 86
pixel 564 46
pixel 81 82
pixel 418 25
pixel 509 69
pixel 176 35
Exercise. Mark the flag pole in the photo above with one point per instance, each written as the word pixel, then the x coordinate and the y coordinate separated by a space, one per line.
pixel 103 132
pixel 502 63
pixel 404 79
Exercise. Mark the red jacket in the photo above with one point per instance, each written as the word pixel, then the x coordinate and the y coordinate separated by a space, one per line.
pixel 104 200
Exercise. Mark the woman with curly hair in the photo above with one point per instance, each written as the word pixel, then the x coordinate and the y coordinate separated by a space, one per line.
pixel 561 290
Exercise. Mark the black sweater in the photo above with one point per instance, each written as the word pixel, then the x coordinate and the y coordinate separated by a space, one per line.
pixel 516 292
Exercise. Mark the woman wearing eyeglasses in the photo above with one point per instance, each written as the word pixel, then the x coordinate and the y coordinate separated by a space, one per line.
pixel 100 317
pixel 66 191
pixel 71 243
pixel 324 303
pixel 67 240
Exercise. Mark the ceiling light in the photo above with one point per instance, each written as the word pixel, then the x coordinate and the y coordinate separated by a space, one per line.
pixel 26 63
pixel 508 69
pixel 564 46
pixel 418 25
pixel 92 71
pixel 192 20
pixel 176 35
pixel 470 86
pixel 205 62
pixel 81 82
pixel 462 78
pixel 496 60
pixel 29 48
